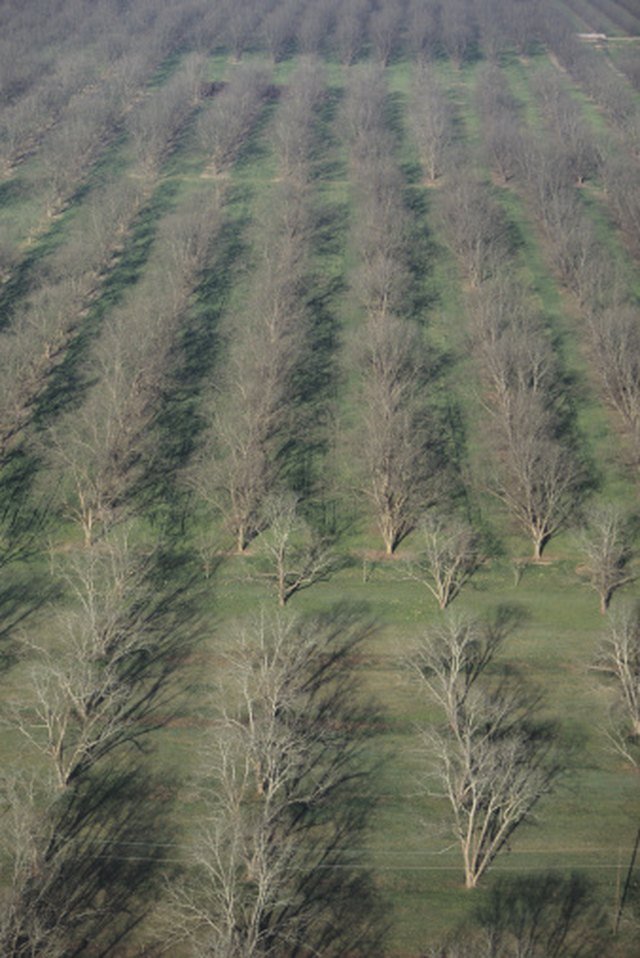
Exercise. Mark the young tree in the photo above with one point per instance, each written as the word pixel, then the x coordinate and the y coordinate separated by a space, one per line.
pixel 297 556
pixel 606 547
pixel 447 557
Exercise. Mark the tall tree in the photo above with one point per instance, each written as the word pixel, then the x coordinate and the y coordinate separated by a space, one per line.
pixel 494 760
pixel 267 876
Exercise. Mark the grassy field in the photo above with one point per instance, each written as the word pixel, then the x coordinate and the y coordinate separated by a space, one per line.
pixel 589 822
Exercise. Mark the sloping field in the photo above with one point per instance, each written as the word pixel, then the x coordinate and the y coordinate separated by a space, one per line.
pixel 319 438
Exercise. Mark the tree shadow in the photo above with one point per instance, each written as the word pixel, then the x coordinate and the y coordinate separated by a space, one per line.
pixel 254 149
pixel 98 871
pixel 179 423
pixel 544 915
pixel 68 382
pixel 322 899
pixel 22 595
pixel 349 916
pixel 22 523
pixel 12 191
pixel 19 282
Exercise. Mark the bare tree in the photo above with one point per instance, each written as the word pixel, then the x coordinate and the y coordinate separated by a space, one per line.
pixel 398 443
pixel 385 28
pixel 275 785
pixel 101 682
pixel 381 236
pixel 615 337
pixel 621 179
pixel 431 118
pixel 293 129
pixel 298 557
pixel 350 28
pixel 501 122
pixel 618 659
pixel 540 478
pixel 364 110
pixel 513 345
pixel 476 228
pixel 458 30
pixel 316 26
pixel 278 28
pixel 454 654
pixel 448 555
pixel 493 762
pixel 93 692
pixel 240 20
pixel 423 28
pixel 606 547
pixel 223 127
pixel 157 120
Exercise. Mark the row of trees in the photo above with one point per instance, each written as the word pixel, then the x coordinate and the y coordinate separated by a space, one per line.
pixel 539 474
pixel 81 712
pixel 549 177
pixel 386 28
pixel 548 181
pixel 257 412
pixel 63 286
pixel 102 450
pixel 395 433
pixel 594 72
pixel 59 301
pixel 95 58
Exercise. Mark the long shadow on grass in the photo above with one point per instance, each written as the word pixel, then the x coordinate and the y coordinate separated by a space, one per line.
pixel 68 381
pixel 179 423
pixel 20 280
pixel 422 253
pixel 23 593
pixel 553 914
pixel 11 191
pixel 23 521
pixel 95 870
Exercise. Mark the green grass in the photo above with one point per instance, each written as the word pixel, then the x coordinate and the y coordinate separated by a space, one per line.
pixel 589 822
